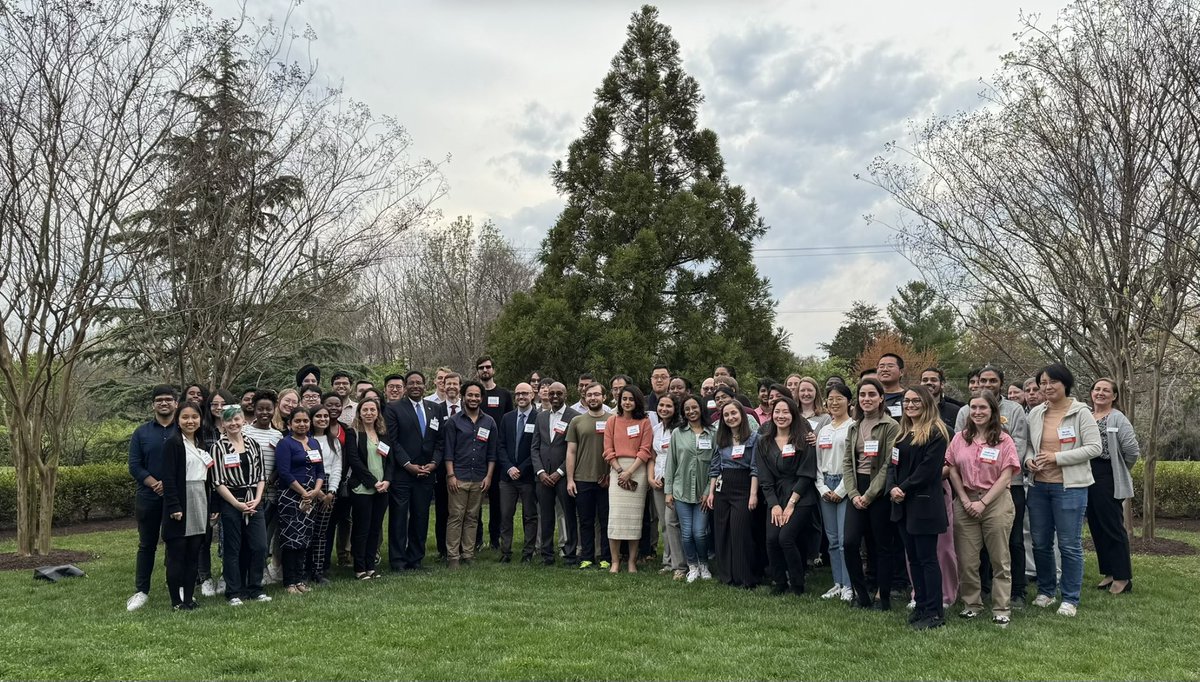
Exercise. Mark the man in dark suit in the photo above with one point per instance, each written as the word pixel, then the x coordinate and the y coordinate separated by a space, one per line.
pixel 516 474
pixel 450 406
pixel 410 433
pixel 548 455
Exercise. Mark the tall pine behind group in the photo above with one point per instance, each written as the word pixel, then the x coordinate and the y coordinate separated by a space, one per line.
pixel 651 260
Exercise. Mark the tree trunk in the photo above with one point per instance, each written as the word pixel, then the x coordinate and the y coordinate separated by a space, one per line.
pixel 1151 459
pixel 45 516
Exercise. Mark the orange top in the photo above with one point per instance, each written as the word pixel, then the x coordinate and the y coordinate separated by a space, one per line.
pixel 625 437
pixel 1050 444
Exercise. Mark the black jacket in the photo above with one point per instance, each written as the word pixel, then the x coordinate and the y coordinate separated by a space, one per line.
pixel 405 437
pixel 514 452
pixel 356 462
pixel 918 472
pixel 174 482
pixel 779 476
pixel 549 454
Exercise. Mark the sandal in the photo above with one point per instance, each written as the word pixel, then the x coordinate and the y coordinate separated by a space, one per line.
pixel 294 589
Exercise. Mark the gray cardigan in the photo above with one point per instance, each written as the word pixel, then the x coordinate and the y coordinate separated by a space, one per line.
pixel 1123 450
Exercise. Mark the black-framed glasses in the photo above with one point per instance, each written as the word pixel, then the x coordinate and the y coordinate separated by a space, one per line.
pixel 483 366
pixel 911 401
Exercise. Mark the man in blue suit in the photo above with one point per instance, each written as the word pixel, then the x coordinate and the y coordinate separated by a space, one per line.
pixel 516 474
pixel 412 425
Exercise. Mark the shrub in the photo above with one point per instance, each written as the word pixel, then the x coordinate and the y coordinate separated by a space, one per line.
pixel 84 493
pixel 1177 487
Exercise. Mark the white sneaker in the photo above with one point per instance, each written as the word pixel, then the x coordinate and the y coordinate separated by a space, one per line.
pixel 912 604
pixel 693 573
pixel 835 591
pixel 235 602
pixel 263 598
pixel 704 572
pixel 847 593
pixel 137 601
pixel 1042 601
pixel 1065 609
pixel 208 588
pixel 220 586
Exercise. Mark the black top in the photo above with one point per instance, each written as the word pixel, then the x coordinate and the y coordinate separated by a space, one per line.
pixel 780 475
pixel 917 470
pixel 948 410
pixel 497 403
pixel 174 480
pixel 356 461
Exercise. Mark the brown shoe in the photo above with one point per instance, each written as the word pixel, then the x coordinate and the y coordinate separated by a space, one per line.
pixel 453 564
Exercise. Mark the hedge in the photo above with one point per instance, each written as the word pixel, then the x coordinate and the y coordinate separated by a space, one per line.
pixel 105 491
pixel 89 492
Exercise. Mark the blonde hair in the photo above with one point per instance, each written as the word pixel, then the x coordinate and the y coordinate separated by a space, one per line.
pixel 818 400
pixel 928 424
pixel 277 420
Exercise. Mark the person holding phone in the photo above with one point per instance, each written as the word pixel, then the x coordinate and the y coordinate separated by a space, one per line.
pixel 733 497
pixel 628 442
pixel 301 478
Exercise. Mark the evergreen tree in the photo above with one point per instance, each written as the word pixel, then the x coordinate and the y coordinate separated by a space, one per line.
pixel 862 325
pixel 922 321
pixel 651 259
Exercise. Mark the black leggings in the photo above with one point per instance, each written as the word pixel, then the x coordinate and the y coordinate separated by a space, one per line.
pixel 183 564
pixel 788 548
pixel 874 524
pixel 366 528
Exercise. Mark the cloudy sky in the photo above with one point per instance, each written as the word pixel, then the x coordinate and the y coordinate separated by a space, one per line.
pixel 802 94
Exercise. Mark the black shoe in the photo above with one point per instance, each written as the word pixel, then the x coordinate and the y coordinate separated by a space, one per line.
pixel 322 580
pixel 547 562
pixel 192 605
pixel 797 590
pixel 526 560
pixel 882 606
pixel 506 559
pixel 915 616
pixel 779 588
pixel 929 623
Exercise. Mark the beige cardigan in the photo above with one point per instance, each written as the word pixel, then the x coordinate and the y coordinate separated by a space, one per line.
pixel 1075 459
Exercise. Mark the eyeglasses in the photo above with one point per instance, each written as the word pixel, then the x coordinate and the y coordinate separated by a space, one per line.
pixel 523 393
pixel 911 401
pixel 483 366
pixel 163 401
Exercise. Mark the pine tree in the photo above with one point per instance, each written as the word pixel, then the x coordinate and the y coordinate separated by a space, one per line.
pixel 923 322
pixel 651 259
pixel 861 325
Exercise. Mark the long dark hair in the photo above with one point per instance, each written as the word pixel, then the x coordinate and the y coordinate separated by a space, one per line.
pixel 870 381
pixel 800 425
pixel 705 421
pixel 725 434
pixel 290 417
pixel 199 435
pixel 991 430
pixel 639 401
pixel 677 420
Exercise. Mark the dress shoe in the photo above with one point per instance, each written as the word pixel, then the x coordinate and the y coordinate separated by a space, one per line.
pixel 506 559
pixel 1128 588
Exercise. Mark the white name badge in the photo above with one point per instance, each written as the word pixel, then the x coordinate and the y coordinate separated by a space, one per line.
pixel 738 451
pixel 482 434
pixel 825 442
pixel 789 450
pixel 433 424
pixel 383 449
pixel 871 448
pixel 895 455
pixel 560 427
pixel 206 458
pixel 894 410
pixel 232 460
pixel 664 445
pixel 314 456
pixel 493 401
pixel 989 454
pixel 712 404
pixel 634 431
pixel 1113 429
pixel 704 442
pixel 1066 434
pixel 529 427
pixel 600 426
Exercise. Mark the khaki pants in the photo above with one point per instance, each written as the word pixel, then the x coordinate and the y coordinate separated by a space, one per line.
pixel 970 535
pixel 463 521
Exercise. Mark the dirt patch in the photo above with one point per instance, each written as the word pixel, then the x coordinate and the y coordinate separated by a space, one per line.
pixel 79 528
pixel 57 557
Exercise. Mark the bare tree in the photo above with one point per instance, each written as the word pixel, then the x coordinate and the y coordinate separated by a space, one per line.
pixel 432 304
pixel 1069 198
pixel 81 114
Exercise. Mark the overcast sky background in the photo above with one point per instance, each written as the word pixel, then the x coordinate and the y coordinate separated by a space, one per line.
pixel 802 94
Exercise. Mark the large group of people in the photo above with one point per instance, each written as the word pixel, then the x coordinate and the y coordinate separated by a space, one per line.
pixel 902 491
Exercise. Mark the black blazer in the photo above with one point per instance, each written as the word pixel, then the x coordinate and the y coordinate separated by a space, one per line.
pixel 546 455
pixel 513 452
pixel 356 461
pixel 174 480
pixel 918 472
pixel 405 437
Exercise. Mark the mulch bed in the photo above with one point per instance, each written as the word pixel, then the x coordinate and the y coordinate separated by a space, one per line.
pixel 57 557
pixel 79 528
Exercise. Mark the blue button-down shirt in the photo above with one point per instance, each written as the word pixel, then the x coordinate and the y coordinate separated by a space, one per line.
pixel 146 453
pixel 463 446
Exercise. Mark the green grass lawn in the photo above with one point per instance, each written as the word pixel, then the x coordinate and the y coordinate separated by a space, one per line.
pixel 493 621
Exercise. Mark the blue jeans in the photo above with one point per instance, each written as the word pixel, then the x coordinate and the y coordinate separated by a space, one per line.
pixel 833 517
pixel 1057 511
pixel 693 525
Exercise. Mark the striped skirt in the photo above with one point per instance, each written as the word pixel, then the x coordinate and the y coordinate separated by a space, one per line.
pixel 625 507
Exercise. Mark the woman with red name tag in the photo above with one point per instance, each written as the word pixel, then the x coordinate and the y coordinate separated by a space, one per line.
pixel 186 497
pixel 1066 440
pixel 983 459
pixel 733 497
pixel 1114 484
pixel 628 450
pixel 914 485
pixel 670 417
pixel 370 463
pixel 241 481
pixel 831 486
pixel 864 473
pixel 301 475
pixel 787 474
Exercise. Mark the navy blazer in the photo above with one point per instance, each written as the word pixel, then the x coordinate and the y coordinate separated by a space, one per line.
pixel 515 452
pixel 404 434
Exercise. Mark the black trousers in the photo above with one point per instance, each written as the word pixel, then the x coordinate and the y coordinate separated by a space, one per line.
pixel 737 552
pixel 591 504
pixel 546 497
pixel 1106 521
pixel 926 573
pixel 874 525
pixel 366 528
pixel 243 551
pixel 204 556
pixel 408 521
pixel 788 548
pixel 441 509
pixel 183 563
pixel 1016 549
pixel 510 492
pixel 293 565
pixel 148 511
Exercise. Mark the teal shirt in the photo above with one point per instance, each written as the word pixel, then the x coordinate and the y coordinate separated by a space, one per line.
pixel 374 465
